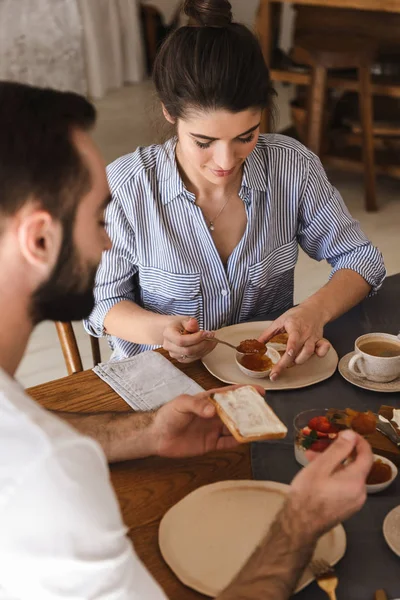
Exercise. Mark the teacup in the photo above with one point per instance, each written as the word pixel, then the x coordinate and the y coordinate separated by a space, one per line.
pixel 377 357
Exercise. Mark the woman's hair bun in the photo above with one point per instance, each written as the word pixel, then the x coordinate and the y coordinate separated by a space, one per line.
pixel 209 13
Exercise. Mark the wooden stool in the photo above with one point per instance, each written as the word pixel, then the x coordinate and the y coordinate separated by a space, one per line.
pixel 323 52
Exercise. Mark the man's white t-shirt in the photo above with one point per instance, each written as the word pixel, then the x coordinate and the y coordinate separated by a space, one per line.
pixel 61 532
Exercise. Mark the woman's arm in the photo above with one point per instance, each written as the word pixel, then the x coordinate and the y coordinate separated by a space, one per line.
pixel 345 289
pixel 326 231
pixel 116 312
pixel 133 323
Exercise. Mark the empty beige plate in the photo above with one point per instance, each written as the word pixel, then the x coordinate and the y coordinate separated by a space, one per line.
pixel 221 361
pixel 391 530
pixel 208 536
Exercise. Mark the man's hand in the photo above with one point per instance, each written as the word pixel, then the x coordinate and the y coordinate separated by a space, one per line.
pixel 304 325
pixel 328 491
pixel 185 342
pixel 189 426
pixel 322 495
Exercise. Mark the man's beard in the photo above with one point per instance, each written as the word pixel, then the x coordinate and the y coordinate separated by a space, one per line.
pixel 68 293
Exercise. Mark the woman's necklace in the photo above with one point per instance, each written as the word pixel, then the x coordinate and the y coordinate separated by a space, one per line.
pixel 211 226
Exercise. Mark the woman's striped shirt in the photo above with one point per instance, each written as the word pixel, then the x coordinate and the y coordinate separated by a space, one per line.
pixel 163 256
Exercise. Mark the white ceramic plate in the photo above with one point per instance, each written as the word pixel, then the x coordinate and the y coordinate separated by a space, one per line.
pixel 391 530
pixel 208 536
pixel 221 361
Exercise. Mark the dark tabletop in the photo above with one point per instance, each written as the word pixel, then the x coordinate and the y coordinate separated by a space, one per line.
pixel 369 564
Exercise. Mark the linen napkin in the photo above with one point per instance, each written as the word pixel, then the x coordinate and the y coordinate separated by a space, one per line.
pixel 146 381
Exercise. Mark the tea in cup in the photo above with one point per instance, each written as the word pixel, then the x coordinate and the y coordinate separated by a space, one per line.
pixel 377 357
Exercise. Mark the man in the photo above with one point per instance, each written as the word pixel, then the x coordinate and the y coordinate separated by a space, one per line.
pixel 61 531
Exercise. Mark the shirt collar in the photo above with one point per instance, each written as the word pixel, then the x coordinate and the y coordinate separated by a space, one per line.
pixel 168 176
pixel 255 170
pixel 254 173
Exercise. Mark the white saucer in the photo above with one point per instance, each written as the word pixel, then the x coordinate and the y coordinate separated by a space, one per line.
pixel 391 530
pixel 374 386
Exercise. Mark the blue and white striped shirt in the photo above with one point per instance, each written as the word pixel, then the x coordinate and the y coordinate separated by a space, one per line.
pixel 164 259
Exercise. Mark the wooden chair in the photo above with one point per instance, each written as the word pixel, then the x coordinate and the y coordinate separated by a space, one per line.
pixel 151 21
pixel 70 350
pixel 323 52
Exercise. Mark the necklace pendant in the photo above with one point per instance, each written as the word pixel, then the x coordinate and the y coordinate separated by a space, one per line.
pixel 211 228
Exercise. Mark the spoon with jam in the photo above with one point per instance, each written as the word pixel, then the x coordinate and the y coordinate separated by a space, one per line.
pixel 245 347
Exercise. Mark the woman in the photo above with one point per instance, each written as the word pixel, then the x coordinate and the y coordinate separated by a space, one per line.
pixel 208 225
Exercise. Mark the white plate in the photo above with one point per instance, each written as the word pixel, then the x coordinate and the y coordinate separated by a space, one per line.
pixel 373 386
pixel 391 530
pixel 379 487
pixel 208 536
pixel 221 361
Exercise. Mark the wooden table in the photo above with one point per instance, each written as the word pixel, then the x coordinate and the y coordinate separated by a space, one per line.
pixel 263 22
pixel 147 488
pixel 264 29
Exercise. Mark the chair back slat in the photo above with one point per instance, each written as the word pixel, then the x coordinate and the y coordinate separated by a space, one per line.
pixel 70 350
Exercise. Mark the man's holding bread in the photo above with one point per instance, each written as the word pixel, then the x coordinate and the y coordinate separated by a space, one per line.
pixel 61 529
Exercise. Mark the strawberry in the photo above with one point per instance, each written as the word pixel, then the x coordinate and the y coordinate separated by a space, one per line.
pixel 320 434
pixel 332 429
pixel 320 445
pixel 314 423
pixel 306 431
pixel 323 425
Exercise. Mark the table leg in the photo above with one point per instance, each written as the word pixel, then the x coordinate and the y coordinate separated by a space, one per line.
pixel 263 27
pixel 367 118
pixel 316 105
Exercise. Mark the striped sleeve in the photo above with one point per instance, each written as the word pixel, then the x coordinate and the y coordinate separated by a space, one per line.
pixel 327 231
pixel 115 276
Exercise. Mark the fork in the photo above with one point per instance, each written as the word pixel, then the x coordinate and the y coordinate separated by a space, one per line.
pixel 325 576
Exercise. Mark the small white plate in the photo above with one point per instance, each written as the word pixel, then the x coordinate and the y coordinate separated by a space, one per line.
pixel 271 353
pixel 208 536
pixel 373 386
pixel 379 487
pixel 221 361
pixel 391 530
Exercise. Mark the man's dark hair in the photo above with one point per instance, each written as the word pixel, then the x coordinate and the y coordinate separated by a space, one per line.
pixel 38 159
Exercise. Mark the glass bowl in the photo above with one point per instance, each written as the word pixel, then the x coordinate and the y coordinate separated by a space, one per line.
pixel 310 439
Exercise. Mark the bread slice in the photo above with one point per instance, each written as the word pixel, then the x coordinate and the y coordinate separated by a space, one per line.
pixel 279 342
pixel 247 416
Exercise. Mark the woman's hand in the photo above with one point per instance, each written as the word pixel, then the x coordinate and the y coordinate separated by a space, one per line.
pixel 185 342
pixel 304 325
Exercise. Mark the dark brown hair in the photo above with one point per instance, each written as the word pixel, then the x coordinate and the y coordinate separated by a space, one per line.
pixel 38 159
pixel 214 64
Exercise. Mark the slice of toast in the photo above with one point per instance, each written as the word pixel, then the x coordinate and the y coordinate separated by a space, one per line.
pixel 247 416
pixel 279 342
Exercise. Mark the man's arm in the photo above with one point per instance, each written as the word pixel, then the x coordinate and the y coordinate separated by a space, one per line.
pixel 185 426
pixel 122 435
pixel 277 564
pixel 322 495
